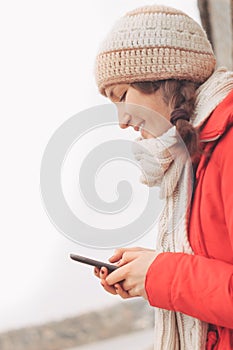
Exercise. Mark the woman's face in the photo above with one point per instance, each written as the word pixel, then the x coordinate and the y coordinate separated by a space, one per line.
pixel 143 122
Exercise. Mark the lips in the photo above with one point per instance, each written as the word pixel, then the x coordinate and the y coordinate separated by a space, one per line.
pixel 139 126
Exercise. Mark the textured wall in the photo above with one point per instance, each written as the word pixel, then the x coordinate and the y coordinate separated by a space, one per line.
pixel 217 19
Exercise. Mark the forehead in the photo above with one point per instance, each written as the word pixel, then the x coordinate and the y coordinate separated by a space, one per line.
pixel 115 90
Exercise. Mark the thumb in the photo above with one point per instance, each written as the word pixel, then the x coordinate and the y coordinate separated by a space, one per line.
pixel 118 254
pixel 127 257
pixel 120 251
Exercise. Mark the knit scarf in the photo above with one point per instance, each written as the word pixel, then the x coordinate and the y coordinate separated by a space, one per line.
pixel 165 165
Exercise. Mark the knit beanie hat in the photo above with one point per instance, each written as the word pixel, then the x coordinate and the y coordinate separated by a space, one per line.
pixel 154 43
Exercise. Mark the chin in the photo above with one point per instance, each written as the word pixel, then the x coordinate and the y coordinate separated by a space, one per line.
pixel 146 135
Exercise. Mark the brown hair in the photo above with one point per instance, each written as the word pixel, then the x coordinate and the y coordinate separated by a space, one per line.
pixel 177 94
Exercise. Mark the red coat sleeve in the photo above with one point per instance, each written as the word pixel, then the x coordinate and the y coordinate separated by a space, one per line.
pixel 199 286
pixel 194 285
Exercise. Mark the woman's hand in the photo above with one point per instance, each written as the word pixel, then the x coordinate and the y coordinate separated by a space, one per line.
pixel 119 253
pixel 129 280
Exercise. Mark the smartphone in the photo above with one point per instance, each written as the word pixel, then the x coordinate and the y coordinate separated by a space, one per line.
pixel 93 262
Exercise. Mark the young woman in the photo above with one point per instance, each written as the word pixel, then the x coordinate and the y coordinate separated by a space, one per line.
pixel 159 58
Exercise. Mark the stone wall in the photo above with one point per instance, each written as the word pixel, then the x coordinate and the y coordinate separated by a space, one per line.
pixel 123 318
pixel 217 19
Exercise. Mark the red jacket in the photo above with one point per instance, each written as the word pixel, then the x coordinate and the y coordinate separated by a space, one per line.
pixel 201 285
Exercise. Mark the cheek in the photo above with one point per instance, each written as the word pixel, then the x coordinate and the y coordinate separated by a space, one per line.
pixel 131 99
pixel 133 96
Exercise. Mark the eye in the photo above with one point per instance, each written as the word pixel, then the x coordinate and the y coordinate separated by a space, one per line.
pixel 122 98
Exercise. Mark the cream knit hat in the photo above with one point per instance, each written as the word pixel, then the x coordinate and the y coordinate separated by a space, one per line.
pixel 154 43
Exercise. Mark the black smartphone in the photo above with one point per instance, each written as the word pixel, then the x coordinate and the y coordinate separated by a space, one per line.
pixel 93 262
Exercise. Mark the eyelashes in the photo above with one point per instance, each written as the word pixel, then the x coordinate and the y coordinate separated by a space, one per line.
pixel 122 98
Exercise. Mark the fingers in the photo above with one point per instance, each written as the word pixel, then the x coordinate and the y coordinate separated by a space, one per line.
pixel 97 272
pixel 127 257
pixel 119 252
pixel 112 289
pixel 121 292
pixel 116 289
pixel 101 273
pixel 129 279
pixel 117 275
pixel 121 273
pixel 107 287
pixel 117 255
pixel 125 294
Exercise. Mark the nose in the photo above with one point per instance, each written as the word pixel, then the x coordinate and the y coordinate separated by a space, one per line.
pixel 124 121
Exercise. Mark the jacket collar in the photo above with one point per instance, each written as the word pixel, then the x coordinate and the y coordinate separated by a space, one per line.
pixel 219 121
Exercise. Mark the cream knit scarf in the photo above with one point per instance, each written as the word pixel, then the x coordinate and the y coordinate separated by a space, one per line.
pixel 166 166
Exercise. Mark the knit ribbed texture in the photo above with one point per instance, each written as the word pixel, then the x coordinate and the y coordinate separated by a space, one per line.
pixel 154 43
pixel 169 167
pixel 221 83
